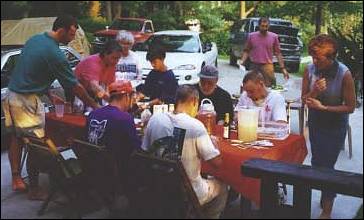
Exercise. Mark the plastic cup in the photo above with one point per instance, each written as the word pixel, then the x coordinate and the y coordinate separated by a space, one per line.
pixel 59 110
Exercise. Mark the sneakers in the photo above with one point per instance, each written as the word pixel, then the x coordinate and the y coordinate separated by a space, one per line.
pixel 18 184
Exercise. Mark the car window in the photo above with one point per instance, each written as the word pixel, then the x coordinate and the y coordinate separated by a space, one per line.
pixel 148 27
pixel 128 25
pixel 172 43
pixel 7 70
pixel 10 63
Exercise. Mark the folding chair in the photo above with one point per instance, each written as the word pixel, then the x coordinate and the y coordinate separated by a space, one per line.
pixel 63 174
pixel 101 170
pixel 171 173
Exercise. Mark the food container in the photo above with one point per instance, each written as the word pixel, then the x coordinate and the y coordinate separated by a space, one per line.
pixel 207 115
pixel 273 130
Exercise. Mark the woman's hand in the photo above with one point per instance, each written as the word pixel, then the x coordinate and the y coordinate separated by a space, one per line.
pixel 315 104
pixel 320 85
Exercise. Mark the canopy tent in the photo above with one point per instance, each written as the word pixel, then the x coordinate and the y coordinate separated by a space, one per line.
pixel 17 32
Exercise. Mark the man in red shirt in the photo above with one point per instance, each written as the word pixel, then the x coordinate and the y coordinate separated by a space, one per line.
pixel 259 48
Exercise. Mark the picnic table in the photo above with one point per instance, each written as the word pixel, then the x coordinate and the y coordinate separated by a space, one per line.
pixel 292 150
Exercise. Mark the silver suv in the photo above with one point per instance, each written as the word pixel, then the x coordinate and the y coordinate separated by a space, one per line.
pixel 290 44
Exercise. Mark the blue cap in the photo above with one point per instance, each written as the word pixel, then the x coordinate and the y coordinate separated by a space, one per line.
pixel 209 72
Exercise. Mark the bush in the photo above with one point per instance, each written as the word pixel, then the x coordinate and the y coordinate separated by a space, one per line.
pixel 164 20
pixel 91 25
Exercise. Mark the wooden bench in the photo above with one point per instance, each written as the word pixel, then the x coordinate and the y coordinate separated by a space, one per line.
pixel 303 178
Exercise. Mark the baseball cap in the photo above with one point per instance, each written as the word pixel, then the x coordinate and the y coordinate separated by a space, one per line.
pixel 209 72
pixel 120 87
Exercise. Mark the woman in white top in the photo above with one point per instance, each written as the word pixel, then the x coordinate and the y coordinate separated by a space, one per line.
pixel 128 67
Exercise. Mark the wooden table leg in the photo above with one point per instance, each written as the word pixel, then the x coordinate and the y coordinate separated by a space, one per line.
pixel 302 201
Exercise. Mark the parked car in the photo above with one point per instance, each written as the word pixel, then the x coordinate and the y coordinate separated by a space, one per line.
pixel 141 29
pixel 290 43
pixel 186 53
pixel 8 61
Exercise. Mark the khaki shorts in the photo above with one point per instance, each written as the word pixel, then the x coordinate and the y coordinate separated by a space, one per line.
pixel 268 73
pixel 24 114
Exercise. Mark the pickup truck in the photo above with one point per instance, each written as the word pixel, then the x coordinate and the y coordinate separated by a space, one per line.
pixel 141 29
pixel 290 43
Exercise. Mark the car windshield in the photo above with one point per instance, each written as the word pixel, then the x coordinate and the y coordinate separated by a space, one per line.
pixel 173 43
pixel 129 25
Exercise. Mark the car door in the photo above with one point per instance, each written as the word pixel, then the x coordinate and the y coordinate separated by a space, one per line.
pixel 209 53
pixel 6 70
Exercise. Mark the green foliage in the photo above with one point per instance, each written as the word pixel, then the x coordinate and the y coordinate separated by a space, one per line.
pixel 215 20
pixel 91 25
pixel 8 8
pixel 163 20
pixel 350 46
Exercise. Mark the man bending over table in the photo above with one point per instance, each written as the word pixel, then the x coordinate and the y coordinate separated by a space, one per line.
pixel 40 63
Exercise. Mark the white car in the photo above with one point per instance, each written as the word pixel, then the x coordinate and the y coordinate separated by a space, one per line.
pixel 186 54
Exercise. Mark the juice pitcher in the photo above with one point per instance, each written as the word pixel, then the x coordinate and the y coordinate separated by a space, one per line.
pixel 248 124
pixel 207 115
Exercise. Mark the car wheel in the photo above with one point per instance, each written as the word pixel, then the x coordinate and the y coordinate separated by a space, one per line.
pixel 233 59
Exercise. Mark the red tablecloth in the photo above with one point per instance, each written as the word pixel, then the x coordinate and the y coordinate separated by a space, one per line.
pixel 63 129
pixel 292 150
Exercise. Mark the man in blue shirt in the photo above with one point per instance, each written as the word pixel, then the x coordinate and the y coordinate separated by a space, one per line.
pixel 40 63
pixel 160 84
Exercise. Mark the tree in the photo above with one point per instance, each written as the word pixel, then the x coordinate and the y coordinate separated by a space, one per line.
pixel 318 17
pixel 116 9
pixel 108 10
pixel 94 9
pixel 243 12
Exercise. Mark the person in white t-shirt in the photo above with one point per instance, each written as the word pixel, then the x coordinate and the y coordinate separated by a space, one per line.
pixel 197 146
pixel 255 94
pixel 128 67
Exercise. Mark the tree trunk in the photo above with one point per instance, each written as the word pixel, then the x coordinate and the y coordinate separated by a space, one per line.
pixel 178 8
pixel 108 11
pixel 94 9
pixel 116 9
pixel 242 10
pixel 318 18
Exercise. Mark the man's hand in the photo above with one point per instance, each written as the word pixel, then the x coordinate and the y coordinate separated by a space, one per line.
pixel 242 68
pixel 285 73
pixel 55 99
pixel 315 104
